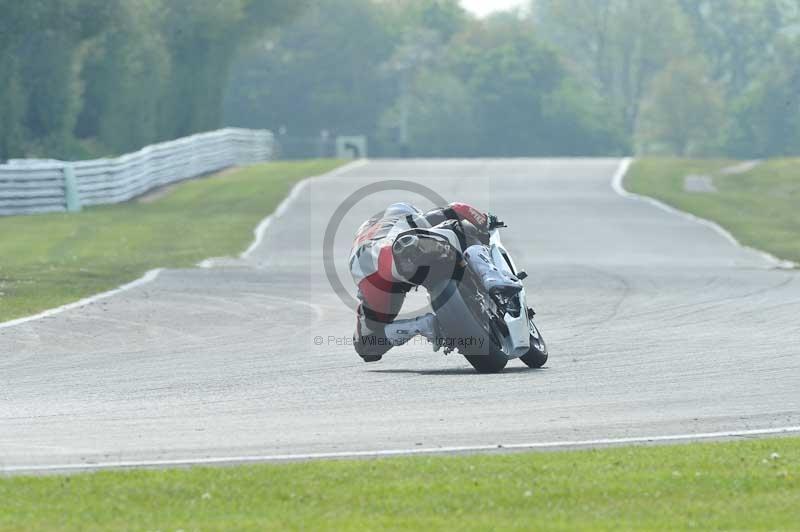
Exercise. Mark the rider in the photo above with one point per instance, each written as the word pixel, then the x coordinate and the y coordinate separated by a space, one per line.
pixel 397 250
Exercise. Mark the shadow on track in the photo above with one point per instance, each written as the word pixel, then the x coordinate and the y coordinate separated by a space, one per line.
pixel 455 371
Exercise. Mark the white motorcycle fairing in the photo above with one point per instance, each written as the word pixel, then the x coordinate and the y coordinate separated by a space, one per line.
pixel 498 272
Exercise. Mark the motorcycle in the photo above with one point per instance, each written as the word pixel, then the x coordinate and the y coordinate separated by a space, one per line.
pixel 484 314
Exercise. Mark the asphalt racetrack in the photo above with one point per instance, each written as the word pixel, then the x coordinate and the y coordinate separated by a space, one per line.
pixel 657 326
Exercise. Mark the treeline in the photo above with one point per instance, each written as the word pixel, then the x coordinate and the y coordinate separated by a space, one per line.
pixel 688 77
pixel 683 77
pixel 419 77
pixel 90 77
pixel 82 78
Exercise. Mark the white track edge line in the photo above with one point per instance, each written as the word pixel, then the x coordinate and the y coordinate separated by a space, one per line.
pixel 262 227
pixel 399 452
pixel 152 275
pixel 617 185
pixel 148 277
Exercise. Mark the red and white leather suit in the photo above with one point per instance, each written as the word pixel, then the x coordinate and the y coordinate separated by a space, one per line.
pixel 381 288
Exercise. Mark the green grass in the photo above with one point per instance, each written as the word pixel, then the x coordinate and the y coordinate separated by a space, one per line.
pixel 50 260
pixel 761 208
pixel 739 485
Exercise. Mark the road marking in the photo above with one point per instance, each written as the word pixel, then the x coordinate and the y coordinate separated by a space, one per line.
pixel 261 229
pixel 149 277
pixel 152 275
pixel 398 452
pixel 617 185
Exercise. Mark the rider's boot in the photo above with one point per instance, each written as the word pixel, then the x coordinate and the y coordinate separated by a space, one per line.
pixel 400 332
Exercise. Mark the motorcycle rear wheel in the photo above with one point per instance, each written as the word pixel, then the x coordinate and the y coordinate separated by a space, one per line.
pixel 457 321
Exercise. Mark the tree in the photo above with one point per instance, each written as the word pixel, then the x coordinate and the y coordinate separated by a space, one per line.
pixel 390 71
pixel 419 49
pixel 738 36
pixel 445 17
pixel 683 113
pixel 508 82
pixel 124 80
pixel 616 45
pixel 118 73
pixel 525 101
pixel 314 75
pixel 440 114
pixel 765 120
pixel 202 37
pixel 41 46
pixel 578 122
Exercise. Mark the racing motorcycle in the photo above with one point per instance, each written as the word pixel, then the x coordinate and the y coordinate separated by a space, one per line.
pixel 483 313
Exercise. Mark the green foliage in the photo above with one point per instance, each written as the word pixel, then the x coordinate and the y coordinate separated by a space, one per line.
pixel 419 77
pixel 316 75
pixel 203 37
pixel 651 57
pixel 40 51
pixel 13 104
pixel 118 73
pixel 740 485
pixel 445 17
pixel 525 100
pixel 442 120
pixel 766 119
pixel 124 75
pixel 509 79
pixel 618 46
pixel 54 259
pixel 736 36
pixel 683 111
pixel 579 123
pixel 758 207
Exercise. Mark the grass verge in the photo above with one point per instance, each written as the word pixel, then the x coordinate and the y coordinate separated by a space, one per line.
pixel 743 485
pixel 49 260
pixel 759 207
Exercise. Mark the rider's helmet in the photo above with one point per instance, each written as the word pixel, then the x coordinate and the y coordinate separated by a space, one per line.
pixel 421 256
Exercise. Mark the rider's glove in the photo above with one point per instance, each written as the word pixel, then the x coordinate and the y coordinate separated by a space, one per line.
pixel 495 222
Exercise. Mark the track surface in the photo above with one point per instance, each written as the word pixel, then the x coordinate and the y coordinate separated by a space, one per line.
pixel 657 326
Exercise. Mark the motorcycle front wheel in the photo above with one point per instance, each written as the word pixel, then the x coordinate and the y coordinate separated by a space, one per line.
pixel 536 357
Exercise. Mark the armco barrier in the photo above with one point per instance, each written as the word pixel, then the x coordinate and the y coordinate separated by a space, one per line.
pixel 32 186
